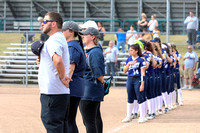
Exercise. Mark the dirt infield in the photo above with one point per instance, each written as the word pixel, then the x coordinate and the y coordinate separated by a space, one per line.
pixel 20 113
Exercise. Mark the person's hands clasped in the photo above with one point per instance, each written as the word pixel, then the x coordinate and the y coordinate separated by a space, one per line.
pixel 66 81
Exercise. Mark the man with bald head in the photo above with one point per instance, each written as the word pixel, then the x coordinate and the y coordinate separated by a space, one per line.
pixel 192 28
pixel 190 62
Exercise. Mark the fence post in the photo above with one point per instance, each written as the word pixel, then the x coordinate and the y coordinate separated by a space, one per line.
pixel 26 59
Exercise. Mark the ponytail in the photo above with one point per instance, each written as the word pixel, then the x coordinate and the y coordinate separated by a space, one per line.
pixel 79 40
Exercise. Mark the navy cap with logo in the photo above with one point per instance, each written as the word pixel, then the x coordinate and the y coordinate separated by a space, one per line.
pixel 90 31
pixel 36 47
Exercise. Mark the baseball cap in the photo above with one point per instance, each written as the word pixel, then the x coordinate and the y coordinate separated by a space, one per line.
pixel 138 42
pixel 155 40
pixel 88 24
pixel 71 25
pixel 36 47
pixel 90 31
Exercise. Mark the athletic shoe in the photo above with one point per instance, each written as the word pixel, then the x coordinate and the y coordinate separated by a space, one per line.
pixel 154 115
pixel 181 104
pixel 185 87
pixel 169 108
pixel 160 111
pixel 190 88
pixel 150 117
pixel 174 106
pixel 133 116
pixel 157 113
pixel 142 120
pixel 166 110
pixel 127 119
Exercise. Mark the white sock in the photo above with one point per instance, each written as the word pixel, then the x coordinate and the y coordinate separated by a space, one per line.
pixel 160 102
pixel 157 103
pixel 136 106
pixel 149 106
pixel 180 95
pixel 153 105
pixel 174 102
pixel 129 109
pixel 165 98
pixel 142 109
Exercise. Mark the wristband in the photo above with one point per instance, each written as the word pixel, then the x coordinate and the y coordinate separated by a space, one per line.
pixel 142 78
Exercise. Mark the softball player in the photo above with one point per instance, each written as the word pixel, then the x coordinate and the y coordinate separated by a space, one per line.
pixel 177 73
pixel 135 66
pixel 150 76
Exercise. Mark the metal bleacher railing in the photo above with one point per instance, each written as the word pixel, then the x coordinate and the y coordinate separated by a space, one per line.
pixel 28 25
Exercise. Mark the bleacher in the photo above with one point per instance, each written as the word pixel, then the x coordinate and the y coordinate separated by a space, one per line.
pixel 13 67
pixel 18 15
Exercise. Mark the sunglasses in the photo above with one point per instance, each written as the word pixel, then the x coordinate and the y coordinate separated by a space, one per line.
pixel 46 21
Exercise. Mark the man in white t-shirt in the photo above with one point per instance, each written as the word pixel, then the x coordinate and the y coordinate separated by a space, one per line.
pixel 111 58
pixel 131 35
pixel 53 75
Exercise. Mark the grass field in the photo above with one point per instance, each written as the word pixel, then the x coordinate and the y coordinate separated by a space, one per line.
pixel 7 38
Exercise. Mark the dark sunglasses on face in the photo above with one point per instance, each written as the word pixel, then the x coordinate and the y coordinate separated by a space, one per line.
pixel 45 21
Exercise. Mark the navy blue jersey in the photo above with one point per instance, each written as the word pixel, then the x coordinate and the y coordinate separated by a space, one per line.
pixel 178 55
pixel 160 61
pixel 135 70
pixel 150 68
pixel 172 68
pixel 147 56
pixel 95 68
pixel 77 57
pixel 164 62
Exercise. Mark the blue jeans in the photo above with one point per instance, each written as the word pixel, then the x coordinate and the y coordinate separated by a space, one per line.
pixel 121 43
pixel 133 90
pixel 110 67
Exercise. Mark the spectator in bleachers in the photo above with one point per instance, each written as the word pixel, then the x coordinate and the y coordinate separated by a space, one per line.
pixel 143 22
pixel 152 23
pixel 120 38
pixel 192 28
pixel 111 58
pixel 101 29
pixel 131 35
pixel 156 33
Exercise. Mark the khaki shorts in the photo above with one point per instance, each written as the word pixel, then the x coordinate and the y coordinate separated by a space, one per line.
pixel 188 73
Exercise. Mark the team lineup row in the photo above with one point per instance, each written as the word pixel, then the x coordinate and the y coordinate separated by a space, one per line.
pixel 152 68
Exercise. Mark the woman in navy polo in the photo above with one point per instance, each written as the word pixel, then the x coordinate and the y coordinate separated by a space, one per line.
pixel 94 80
pixel 76 71
pixel 135 66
